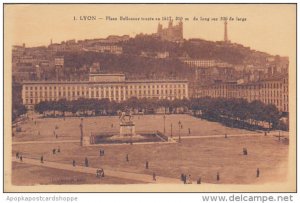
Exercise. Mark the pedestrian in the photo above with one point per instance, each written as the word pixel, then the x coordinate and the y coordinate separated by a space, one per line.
pixel 245 152
pixel 225 135
pixel 189 131
pixel 190 179
pixel 199 180
pixel 86 162
pixel 147 165
pixel 154 176
pixel 97 173
pixel 184 179
pixel 56 136
pixel 100 152
pixel 17 155
pixel 102 172
pixel 42 159
pixel 127 158
pixel 74 163
pixel 257 172
pixel 218 176
pixel 53 151
pixel 21 158
pixel 265 133
pixel 112 125
pixel 58 149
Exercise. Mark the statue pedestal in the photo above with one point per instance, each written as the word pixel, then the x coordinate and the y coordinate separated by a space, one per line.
pixel 86 141
pixel 127 129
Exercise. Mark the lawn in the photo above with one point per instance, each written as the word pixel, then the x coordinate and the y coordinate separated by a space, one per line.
pixel 198 157
pixel 68 129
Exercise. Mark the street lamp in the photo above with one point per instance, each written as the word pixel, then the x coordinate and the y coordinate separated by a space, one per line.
pixel 179 137
pixel 171 129
pixel 164 124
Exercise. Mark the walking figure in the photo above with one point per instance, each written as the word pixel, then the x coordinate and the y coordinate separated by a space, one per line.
pixel 58 149
pixel 74 163
pixel 42 159
pixel 17 155
pixel 199 180
pixel 154 176
pixel 56 136
pixel 218 176
pixel 184 179
pixel 189 131
pixel 127 158
pixel 53 151
pixel 21 158
pixel 257 172
pixel 190 180
pixel 86 161
pixel 245 152
pixel 147 165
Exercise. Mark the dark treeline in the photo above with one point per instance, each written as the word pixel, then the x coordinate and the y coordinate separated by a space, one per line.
pixel 133 66
pixel 232 112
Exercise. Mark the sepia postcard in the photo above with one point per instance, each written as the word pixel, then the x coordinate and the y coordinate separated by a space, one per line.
pixel 150 97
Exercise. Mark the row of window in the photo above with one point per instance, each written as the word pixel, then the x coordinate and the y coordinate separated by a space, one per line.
pixel 103 87
pixel 102 92
pixel 32 101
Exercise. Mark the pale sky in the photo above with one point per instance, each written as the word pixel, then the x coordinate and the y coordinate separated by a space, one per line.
pixel 270 28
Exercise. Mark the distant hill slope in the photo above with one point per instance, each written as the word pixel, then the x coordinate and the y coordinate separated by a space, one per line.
pixel 134 65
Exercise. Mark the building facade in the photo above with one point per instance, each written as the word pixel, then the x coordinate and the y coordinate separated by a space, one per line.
pixel 99 86
pixel 269 91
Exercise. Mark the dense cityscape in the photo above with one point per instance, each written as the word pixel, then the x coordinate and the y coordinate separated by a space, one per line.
pixel 162 65
pixel 149 108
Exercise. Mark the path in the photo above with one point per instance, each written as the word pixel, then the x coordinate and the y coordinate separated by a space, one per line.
pixel 171 140
pixel 46 142
pixel 108 172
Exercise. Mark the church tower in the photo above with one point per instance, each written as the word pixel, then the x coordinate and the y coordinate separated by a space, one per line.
pixel 225 31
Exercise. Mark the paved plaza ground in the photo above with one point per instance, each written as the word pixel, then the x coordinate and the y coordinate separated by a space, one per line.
pixel 198 157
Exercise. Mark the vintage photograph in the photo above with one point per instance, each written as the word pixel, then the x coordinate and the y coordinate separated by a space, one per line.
pixel 154 97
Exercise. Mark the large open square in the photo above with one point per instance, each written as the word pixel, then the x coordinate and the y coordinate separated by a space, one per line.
pixel 202 152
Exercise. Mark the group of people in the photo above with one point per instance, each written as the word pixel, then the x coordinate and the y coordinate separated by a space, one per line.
pixel 99 173
pixel 54 150
pixel 19 156
pixel 186 179
pixel 101 152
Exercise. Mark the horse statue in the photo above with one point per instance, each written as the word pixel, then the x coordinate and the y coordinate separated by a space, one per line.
pixel 125 116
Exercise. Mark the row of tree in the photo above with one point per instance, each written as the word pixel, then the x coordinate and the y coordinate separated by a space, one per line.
pixel 229 111
pixel 237 111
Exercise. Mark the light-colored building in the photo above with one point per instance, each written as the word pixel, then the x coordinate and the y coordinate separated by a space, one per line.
pixel 203 63
pixel 270 91
pixel 99 86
